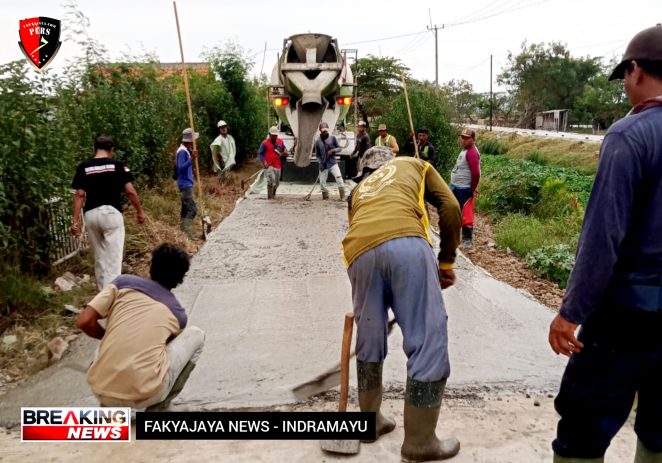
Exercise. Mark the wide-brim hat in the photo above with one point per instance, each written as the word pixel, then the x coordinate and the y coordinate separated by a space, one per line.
pixel 188 135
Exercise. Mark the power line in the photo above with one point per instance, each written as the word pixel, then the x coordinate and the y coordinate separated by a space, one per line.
pixel 383 38
pixel 510 10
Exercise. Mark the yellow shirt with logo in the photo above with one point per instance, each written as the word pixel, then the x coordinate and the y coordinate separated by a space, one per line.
pixel 390 204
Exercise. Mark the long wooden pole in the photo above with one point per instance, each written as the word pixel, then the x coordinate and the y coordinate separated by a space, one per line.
pixel 411 122
pixel 190 116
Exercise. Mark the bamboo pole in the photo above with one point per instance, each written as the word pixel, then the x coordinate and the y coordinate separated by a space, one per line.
pixel 411 122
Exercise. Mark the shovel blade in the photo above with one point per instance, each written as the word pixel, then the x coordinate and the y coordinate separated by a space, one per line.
pixel 346 447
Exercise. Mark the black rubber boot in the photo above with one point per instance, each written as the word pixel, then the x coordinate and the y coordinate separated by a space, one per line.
pixel 369 376
pixel 467 237
pixel 270 192
pixel 325 195
pixel 342 193
pixel 422 405
pixel 643 455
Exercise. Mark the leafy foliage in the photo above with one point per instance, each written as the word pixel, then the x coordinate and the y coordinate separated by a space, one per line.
pixel 553 262
pixel 379 82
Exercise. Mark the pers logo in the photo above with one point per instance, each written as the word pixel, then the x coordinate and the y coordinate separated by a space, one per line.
pixel 67 424
pixel 40 40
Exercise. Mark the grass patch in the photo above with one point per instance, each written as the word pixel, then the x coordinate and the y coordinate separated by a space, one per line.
pixel 524 234
pixel 579 155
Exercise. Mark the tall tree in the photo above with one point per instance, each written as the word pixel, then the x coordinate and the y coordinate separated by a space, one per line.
pixel 463 101
pixel 379 83
pixel 543 77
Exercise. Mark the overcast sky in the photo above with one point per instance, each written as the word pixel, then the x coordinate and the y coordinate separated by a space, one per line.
pixel 473 30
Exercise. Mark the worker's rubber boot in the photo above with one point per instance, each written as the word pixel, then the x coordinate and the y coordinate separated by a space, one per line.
pixel 643 455
pixel 560 459
pixel 467 237
pixel 187 227
pixel 325 195
pixel 341 190
pixel 369 376
pixel 270 192
pixel 422 405
pixel 176 389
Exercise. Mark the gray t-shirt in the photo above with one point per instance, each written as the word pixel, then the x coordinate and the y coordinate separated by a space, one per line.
pixel 461 174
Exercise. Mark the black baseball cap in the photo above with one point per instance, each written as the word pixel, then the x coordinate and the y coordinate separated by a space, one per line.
pixel 645 46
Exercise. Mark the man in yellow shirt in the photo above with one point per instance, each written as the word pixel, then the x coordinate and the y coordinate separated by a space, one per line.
pixel 391 264
pixel 385 139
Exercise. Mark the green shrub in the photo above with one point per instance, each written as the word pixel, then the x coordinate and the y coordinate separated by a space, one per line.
pixel 492 146
pixel 552 262
pixel 537 158
pixel 524 234
pixel 19 292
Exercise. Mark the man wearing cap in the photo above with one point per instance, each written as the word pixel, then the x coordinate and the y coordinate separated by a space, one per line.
pixel 385 139
pixel 361 145
pixel 464 181
pixel 391 263
pixel 615 289
pixel 223 151
pixel 184 166
pixel 426 149
pixel 99 183
pixel 326 148
pixel 270 152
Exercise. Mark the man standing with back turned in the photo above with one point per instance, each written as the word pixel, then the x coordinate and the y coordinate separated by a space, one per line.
pixel 391 264
pixel 615 289
pixel 99 183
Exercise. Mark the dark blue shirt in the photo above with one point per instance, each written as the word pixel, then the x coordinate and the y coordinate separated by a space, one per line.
pixel 184 168
pixel 325 150
pixel 622 231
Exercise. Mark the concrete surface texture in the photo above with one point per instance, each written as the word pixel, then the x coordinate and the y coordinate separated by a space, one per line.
pixel 542 133
pixel 270 290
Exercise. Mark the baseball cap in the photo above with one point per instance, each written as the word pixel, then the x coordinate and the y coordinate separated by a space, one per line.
pixel 187 135
pixel 468 133
pixel 273 130
pixel 362 123
pixel 381 127
pixel 646 45
pixel 222 123
pixel 424 130
pixel 324 127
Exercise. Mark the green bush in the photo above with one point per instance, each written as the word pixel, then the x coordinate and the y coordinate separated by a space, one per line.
pixel 553 262
pixel 492 146
pixel 524 234
pixel 19 292
pixel 429 109
pixel 537 158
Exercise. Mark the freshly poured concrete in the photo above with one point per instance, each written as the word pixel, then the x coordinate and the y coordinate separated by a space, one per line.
pixel 270 290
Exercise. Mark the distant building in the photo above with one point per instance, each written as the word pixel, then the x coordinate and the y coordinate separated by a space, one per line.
pixel 555 120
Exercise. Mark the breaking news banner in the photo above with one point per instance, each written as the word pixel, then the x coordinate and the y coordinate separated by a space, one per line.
pixel 68 424
pixel 255 425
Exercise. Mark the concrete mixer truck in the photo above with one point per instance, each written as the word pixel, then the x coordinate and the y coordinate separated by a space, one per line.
pixel 311 83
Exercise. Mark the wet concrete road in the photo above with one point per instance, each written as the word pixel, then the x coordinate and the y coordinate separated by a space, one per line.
pixel 270 290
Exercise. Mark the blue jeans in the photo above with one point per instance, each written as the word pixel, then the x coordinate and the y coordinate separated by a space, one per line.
pixel 622 356
pixel 401 274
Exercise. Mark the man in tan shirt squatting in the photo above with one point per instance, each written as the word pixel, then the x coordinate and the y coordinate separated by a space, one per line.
pixel 146 354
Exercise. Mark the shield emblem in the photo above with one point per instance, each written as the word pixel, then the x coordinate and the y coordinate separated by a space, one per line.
pixel 40 40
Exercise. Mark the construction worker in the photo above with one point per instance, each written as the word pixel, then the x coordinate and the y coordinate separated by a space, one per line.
pixel 326 148
pixel 99 183
pixel 384 139
pixel 361 145
pixel 184 166
pixel 615 289
pixel 391 263
pixel 464 181
pixel 146 352
pixel 426 149
pixel 223 151
pixel 270 152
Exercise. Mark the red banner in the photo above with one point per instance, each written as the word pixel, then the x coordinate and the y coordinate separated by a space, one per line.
pixel 75 433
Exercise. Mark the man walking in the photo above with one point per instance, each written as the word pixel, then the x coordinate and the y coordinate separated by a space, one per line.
pixel 184 165
pixel 385 139
pixel 223 151
pixel 464 181
pixel 271 151
pixel 146 354
pixel 326 148
pixel 615 289
pixel 391 263
pixel 361 145
pixel 99 183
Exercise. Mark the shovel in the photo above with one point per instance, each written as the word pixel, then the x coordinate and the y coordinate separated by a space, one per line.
pixel 347 447
pixel 307 197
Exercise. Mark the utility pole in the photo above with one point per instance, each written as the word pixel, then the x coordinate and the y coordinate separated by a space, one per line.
pixel 491 94
pixel 436 28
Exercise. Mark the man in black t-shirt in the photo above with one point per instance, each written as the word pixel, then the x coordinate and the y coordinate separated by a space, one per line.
pixel 362 144
pixel 99 183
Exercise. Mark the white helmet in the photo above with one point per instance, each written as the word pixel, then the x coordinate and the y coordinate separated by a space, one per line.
pixel 221 123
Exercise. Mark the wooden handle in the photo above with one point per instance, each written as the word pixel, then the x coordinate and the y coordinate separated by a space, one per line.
pixel 411 122
pixel 344 361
